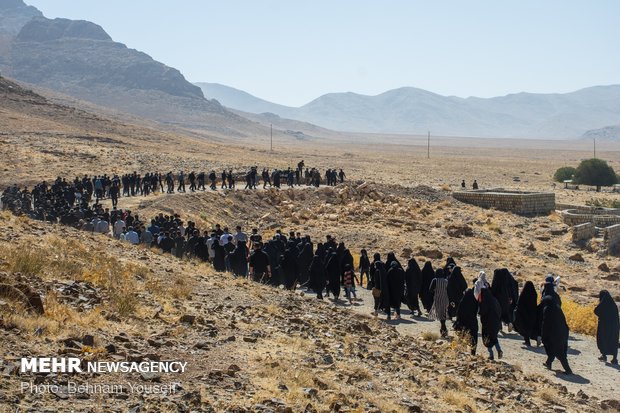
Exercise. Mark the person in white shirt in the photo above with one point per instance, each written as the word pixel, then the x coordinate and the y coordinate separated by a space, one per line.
pixel 224 237
pixel 132 236
pixel 210 242
pixel 119 225
pixel 102 227
pixel 240 236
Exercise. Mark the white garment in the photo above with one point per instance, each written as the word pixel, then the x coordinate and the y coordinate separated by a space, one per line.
pixel 210 242
pixel 224 239
pixel 118 227
pixel 481 283
pixel 102 227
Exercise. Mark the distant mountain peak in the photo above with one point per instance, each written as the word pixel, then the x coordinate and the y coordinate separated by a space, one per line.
pixel 14 14
pixel 41 29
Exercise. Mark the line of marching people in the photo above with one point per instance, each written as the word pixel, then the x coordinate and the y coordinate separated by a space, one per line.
pixel 444 294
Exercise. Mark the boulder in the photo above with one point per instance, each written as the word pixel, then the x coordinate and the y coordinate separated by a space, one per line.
pixel 576 257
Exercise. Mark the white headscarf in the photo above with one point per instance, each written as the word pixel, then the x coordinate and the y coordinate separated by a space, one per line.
pixel 480 284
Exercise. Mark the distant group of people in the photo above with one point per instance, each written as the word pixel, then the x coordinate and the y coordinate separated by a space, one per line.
pixel 473 186
pixel 51 201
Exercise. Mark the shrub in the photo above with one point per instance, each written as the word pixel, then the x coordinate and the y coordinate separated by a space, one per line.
pixel 27 261
pixel 564 173
pixel 580 318
pixel 595 172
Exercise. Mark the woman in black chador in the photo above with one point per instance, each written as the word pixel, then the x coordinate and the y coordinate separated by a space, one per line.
pixel 303 263
pixel 413 283
pixel 607 330
pixel 490 318
pixel 332 268
pixel 467 319
pixel 316 273
pixel 391 257
pixel 554 333
pixel 456 288
pixel 525 314
pixel 289 266
pixel 395 287
pixel 428 274
pixel 506 290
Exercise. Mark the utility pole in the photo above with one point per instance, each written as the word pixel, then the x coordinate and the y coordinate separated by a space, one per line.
pixel 271 141
pixel 594 147
pixel 428 146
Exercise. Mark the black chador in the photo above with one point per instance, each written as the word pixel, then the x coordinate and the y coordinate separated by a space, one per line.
pixel 466 318
pixel 607 330
pixel 428 274
pixel 490 317
pixel 317 276
pixel 554 333
pixel 505 289
pixel 333 273
pixel 219 259
pixel 525 314
pixel 289 266
pixel 396 286
pixel 413 283
pixel 456 288
pixel 303 263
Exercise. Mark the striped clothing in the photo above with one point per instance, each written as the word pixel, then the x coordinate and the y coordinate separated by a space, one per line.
pixel 439 311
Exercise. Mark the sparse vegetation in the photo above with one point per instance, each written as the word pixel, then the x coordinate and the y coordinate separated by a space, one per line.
pixel 25 260
pixel 430 336
pixel 604 203
pixel 460 400
pixel 564 173
pixel 580 318
pixel 595 172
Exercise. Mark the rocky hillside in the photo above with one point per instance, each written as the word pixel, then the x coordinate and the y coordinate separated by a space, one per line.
pixel 78 58
pixel 248 347
pixel 60 51
pixel 41 139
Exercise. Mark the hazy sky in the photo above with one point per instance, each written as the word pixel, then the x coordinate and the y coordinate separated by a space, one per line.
pixel 292 51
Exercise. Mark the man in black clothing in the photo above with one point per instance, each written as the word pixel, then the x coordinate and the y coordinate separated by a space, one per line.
pixel 266 179
pixel 223 180
pixel 255 238
pixel 260 268
pixel 212 178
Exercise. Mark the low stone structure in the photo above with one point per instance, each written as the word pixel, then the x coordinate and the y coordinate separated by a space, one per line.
pixel 612 236
pixel 593 222
pixel 601 217
pixel 583 232
pixel 518 202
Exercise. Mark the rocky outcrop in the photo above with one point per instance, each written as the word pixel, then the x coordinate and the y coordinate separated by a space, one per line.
pixel 78 53
pixel 46 30
pixel 14 14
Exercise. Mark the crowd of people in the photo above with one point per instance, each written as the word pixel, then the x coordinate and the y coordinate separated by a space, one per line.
pixel 326 268
pixel 72 200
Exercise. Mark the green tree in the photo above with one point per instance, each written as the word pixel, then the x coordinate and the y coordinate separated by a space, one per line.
pixel 564 173
pixel 595 172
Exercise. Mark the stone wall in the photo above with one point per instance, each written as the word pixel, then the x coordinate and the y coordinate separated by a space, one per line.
pixel 583 231
pixel 576 217
pixel 522 203
pixel 612 236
